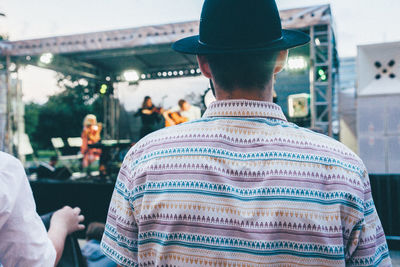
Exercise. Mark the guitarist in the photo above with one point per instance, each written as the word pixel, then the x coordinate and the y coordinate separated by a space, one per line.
pixel 182 113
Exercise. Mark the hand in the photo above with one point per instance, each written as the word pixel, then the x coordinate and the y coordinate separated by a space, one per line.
pixel 67 219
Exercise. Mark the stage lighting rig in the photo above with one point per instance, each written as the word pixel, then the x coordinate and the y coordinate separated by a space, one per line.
pixel 46 58
pixel 322 75
pixel 131 76
pixel 103 89
pixel 297 63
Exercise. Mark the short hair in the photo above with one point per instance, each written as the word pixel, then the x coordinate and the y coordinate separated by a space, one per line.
pixel 249 70
pixel 181 102
pixel 95 231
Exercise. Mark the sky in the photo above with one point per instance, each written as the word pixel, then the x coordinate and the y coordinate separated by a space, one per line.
pixel 357 22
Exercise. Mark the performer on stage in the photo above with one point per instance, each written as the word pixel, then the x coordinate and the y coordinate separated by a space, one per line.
pixel 182 113
pixel 151 117
pixel 90 135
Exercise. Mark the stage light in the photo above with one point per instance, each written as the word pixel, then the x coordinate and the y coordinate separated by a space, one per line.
pixel 169 73
pixel 28 58
pixel 322 75
pixel 83 82
pixel 317 42
pixel 143 76
pixel 175 73
pixel 299 105
pixel 108 78
pixel 181 72
pixel 103 89
pixel 198 71
pixel 131 76
pixel 12 67
pixel 164 74
pixel 46 58
pixel 297 63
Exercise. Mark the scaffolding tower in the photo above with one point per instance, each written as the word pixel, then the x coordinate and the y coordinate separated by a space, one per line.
pixel 323 75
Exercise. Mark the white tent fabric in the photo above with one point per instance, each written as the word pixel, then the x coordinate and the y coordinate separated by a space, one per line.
pixel 149 35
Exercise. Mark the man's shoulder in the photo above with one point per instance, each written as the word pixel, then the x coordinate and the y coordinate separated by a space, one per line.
pixel 331 149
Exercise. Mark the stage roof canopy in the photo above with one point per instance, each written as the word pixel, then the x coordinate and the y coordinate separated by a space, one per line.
pixel 144 49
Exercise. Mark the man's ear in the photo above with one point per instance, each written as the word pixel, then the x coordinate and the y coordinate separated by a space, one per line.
pixel 204 66
pixel 281 61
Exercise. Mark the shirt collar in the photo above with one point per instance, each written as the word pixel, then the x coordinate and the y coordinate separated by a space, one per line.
pixel 244 108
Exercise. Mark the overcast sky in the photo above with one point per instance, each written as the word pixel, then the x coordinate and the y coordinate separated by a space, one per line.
pixel 357 22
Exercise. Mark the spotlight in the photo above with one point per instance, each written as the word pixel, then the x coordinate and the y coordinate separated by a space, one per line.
pixel 131 76
pixel 317 42
pixel 12 67
pixel 143 76
pixel 322 75
pixel 296 63
pixel 46 58
pixel 83 82
pixel 108 78
pixel 103 89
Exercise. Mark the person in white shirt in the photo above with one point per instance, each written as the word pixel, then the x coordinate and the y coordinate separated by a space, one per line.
pixel 23 238
pixel 185 110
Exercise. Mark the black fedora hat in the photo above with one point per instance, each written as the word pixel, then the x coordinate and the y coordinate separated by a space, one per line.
pixel 240 26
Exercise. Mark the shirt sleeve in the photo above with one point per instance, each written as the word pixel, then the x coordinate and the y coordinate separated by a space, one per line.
pixel 23 237
pixel 367 244
pixel 120 237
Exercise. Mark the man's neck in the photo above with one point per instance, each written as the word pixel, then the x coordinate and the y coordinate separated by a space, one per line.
pixel 248 93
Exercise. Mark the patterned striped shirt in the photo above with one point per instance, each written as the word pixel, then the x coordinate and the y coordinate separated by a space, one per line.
pixel 243 187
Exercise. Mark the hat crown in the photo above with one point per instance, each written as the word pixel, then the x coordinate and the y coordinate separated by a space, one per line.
pixel 239 23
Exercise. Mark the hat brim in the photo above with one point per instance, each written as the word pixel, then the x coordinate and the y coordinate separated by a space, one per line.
pixel 192 45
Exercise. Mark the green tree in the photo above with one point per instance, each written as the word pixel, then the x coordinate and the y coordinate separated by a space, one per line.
pixel 32 111
pixel 62 115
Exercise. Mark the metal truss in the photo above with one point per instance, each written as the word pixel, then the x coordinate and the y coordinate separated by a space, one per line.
pixel 322 75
